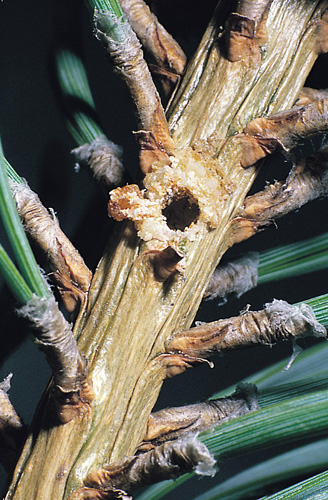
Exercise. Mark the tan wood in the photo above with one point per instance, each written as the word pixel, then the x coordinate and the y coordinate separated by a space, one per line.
pixel 130 314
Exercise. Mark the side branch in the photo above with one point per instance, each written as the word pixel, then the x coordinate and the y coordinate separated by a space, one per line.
pixel 307 181
pixel 277 321
pixel 282 131
pixel 72 391
pixel 169 58
pixel 127 56
pixel 12 431
pixel 168 461
pixel 172 423
pixel 69 270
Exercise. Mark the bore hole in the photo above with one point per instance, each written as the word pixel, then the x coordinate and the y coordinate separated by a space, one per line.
pixel 181 211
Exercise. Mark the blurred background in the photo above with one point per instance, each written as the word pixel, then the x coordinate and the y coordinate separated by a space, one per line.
pixel 37 144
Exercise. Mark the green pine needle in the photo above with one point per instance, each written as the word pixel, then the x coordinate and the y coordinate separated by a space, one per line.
pixel 114 24
pixel 12 174
pixel 295 259
pixel 81 116
pixel 287 400
pixel 287 421
pixel 80 107
pixel 13 278
pixel 17 237
pixel 292 464
pixel 315 488
pixel 111 6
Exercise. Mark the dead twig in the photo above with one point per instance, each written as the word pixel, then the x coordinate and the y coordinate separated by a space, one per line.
pixel 307 181
pixel 172 423
pixel 129 63
pixel 276 322
pixel 72 390
pixel 104 159
pixel 69 270
pixel 12 430
pixel 167 461
pixel 169 58
pixel 235 277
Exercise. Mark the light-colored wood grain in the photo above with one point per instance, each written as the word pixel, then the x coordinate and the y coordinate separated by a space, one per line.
pixel 131 314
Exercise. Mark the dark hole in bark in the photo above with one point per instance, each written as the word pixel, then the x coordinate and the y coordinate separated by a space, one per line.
pixel 181 211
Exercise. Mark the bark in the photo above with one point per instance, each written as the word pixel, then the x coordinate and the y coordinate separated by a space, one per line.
pixel 70 273
pixel 278 321
pixel 71 392
pixel 12 430
pixel 166 461
pixel 130 313
pixel 104 159
pixel 235 277
pixel 173 423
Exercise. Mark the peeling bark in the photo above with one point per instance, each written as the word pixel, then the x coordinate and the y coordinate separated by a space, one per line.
pixel 169 58
pixel 167 461
pixel 70 272
pixel 166 262
pixel 245 30
pixel 128 61
pixel 172 423
pixel 72 391
pixel 277 321
pixel 174 364
pixel 104 159
pixel 307 181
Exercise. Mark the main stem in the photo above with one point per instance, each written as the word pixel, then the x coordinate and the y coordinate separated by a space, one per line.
pixel 130 314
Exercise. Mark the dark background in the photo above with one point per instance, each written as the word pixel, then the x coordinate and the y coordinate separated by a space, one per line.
pixel 38 146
